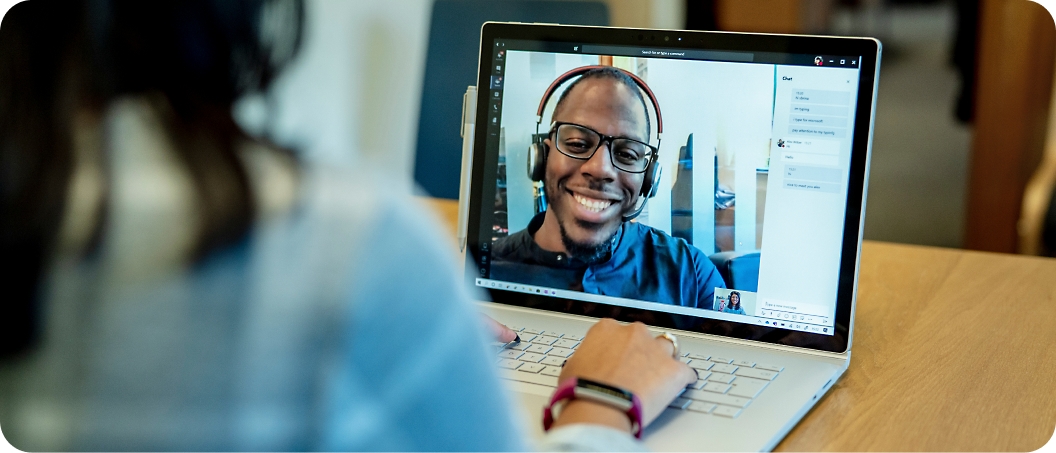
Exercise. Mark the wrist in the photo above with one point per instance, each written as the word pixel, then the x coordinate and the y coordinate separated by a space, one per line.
pixel 590 412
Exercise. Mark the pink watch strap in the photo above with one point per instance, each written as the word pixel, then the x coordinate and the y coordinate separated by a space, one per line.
pixel 567 390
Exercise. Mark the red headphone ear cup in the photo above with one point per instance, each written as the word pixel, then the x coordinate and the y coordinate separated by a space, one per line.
pixel 537 158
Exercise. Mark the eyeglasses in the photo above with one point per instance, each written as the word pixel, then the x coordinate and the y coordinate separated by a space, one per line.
pixel 581 142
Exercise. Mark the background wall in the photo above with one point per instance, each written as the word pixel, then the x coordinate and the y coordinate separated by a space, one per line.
pixel 354 92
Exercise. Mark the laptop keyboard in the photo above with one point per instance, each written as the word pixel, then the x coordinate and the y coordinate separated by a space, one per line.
pixel 725 385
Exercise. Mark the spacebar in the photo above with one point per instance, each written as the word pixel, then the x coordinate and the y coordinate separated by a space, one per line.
pixel 530 378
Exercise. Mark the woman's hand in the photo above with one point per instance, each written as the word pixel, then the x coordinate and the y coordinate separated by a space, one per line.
pixel 629 357
pixel 499 331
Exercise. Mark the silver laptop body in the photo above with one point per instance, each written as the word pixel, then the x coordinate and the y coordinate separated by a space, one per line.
pixel 777 125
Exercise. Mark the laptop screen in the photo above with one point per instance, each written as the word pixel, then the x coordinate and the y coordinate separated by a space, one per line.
pixel 705 183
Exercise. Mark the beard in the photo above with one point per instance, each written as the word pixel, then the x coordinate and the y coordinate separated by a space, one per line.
pixel 586 252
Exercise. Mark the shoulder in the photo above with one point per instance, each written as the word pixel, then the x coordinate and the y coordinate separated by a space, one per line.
pixel 511 246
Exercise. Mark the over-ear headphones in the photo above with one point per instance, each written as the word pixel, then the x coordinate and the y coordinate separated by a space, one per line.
pixel 537 151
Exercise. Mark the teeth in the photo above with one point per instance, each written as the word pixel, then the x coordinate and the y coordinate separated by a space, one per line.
pixel 592 204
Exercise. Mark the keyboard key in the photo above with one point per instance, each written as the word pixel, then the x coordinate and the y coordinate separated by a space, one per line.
pixel 551 371
pixel 543 339
pixel 697 385
pixel 532 367
pixel 520 346
pixel 720 368
pixel 717 377
pixel 525 338
pixel 538 348
pixel 773 368
pixel 727 411
pixel 747 387
pixel 515 328
pixel 685 359
pixel 698 356
pixel 680 403
pixel 721 360
pixel 700 407
pixel 700 365
pixel 553 361
pixel 531 378
pixel 758 374
pixel 532 357
pixel 510 364
pixel 537 332
pixel 709 397
pixel 746 363
pixel 510 354
pixel 566 343
pixel 561 352
pixel 703 375
pixel 574 337
pixel 716 387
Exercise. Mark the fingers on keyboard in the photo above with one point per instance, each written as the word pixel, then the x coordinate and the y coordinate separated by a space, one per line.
pixel 724 386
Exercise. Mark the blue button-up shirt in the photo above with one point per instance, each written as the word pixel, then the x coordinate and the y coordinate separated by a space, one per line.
pixel 644 264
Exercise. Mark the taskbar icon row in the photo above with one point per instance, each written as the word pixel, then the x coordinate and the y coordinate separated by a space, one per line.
pixel 485 283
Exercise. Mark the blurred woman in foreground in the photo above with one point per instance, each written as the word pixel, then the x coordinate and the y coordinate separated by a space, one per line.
pixel 177 284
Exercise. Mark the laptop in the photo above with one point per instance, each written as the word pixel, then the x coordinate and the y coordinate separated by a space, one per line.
pixel 710 185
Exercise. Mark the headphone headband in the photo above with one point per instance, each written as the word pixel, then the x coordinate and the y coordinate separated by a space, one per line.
pixel 583 69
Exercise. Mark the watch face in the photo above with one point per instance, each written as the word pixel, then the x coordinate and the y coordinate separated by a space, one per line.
pixel 602 393
pixel 605 389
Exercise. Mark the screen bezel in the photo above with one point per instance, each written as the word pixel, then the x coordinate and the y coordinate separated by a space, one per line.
pixel 868 49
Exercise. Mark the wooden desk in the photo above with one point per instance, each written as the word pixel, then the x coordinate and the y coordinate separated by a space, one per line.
pixel 953 351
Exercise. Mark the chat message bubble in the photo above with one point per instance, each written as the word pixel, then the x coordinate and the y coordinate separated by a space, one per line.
pixel 831 132
pixel 806 120
pixel 821 97
pixel 811 173
pixel 810 109
pixel 813 186
pixel 807 145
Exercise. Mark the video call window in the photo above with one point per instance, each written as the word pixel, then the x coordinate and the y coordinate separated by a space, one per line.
pixel 729 139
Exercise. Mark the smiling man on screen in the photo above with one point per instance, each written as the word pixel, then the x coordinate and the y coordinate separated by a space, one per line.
pixel 585 240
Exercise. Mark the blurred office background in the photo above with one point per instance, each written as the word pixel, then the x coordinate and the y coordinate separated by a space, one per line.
pixel 962 124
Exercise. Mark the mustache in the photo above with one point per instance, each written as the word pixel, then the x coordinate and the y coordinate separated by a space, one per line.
pixel 607 188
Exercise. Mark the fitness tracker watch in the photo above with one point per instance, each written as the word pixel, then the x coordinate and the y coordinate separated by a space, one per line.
pixel 618 398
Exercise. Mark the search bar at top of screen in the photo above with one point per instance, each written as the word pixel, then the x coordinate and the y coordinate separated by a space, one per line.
pixel 633 51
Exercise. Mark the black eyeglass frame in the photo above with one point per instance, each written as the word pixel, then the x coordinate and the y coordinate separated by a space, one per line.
pixel 607 139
